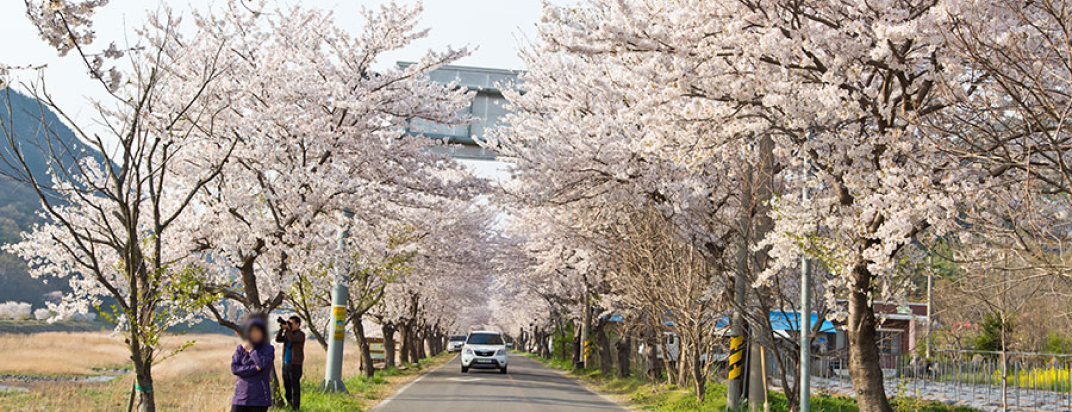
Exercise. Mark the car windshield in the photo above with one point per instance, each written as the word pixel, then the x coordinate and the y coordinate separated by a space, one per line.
pixel 457 338
pixel 485 339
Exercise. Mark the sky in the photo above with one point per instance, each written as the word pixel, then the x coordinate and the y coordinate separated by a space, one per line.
pixel 494 28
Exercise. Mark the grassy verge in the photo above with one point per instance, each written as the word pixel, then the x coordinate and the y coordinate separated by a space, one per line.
pixel 642 394
pixel 364 392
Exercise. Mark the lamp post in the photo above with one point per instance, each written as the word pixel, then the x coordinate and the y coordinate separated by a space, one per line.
pixel 805 335
pixel 339 295
pixel 805 322
pixel 930 287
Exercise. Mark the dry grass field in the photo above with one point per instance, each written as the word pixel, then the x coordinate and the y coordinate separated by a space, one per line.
pixel 197 379
pixel 60 353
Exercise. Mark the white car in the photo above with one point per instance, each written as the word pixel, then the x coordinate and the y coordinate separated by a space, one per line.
pixel 455 343
pixel 484 350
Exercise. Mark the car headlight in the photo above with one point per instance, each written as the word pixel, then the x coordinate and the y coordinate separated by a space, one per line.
pixel 501 352
pixel 468 351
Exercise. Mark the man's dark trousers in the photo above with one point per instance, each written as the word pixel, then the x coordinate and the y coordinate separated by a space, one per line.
pixel 292 384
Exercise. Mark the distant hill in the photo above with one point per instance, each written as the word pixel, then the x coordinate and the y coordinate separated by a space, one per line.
pixel 30 122
pixel 20 207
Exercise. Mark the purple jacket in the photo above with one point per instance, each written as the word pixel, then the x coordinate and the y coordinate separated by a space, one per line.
pixel 253 387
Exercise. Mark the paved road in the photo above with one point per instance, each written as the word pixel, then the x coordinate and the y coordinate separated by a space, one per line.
pixel 529 386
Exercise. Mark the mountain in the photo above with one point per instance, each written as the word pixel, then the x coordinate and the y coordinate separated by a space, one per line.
pixel 30 123
pixel 20 206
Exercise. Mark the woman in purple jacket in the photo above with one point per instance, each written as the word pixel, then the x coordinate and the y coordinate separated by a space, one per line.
pixel 252 364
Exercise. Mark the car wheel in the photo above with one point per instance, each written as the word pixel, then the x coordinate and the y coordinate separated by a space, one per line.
pixel 503 370
pixel 465 369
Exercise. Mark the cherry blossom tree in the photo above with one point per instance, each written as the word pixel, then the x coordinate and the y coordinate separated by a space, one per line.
pixel 1006 81
pixel 368 275
pixel 447 283
pixel 663 277
pixel 114 217
pixel 821 89
pixel 320 132
pixel 588 135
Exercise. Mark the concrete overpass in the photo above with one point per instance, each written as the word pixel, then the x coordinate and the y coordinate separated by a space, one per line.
pixel 488 106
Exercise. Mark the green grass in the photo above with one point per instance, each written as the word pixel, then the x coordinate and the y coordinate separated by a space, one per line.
pixel 362 389
pixel 313 399
pixel 660 397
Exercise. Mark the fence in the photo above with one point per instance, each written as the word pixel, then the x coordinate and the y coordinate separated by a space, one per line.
pixel 1034 382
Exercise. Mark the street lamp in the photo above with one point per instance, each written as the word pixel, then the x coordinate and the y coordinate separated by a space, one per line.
pixel 805 318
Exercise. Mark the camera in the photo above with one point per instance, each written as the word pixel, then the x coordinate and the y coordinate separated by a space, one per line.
pixel 281 321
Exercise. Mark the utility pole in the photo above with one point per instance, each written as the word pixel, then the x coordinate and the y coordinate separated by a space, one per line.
pixel 587 319
pixel 735 376
pixel 805 324
pixel 339 295
pixel 930 287
pixel 737 345
pixel 762 223
pixel 757 377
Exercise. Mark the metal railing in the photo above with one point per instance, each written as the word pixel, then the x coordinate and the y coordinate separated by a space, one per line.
pixel 1033 381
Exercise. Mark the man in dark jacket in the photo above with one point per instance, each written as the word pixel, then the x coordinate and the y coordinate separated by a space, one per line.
pixel 293 340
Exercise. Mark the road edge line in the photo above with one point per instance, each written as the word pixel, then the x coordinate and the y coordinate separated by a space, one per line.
pixel 410 383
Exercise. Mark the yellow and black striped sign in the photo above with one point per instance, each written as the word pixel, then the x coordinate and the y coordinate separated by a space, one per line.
pixel 736 356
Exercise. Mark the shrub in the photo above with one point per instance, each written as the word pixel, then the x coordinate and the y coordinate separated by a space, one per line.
pixel 84 317
pixel 15 310
pixel 1056 343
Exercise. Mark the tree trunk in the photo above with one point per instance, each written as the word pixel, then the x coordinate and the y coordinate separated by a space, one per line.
pixel 388 345
pixel 427 349
pixel 414 344
pixel 146 400
pixel 606 356
pixel 682 365
pixel 625 350
pixel 543 345
pixel 561 338
pixel 317 335
pixel 141 356
pixel 403 354
pixel 864 367
pixel 576 359
pixel 367 367
pixel 671 369
pixel 655 365
pixel 699 378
